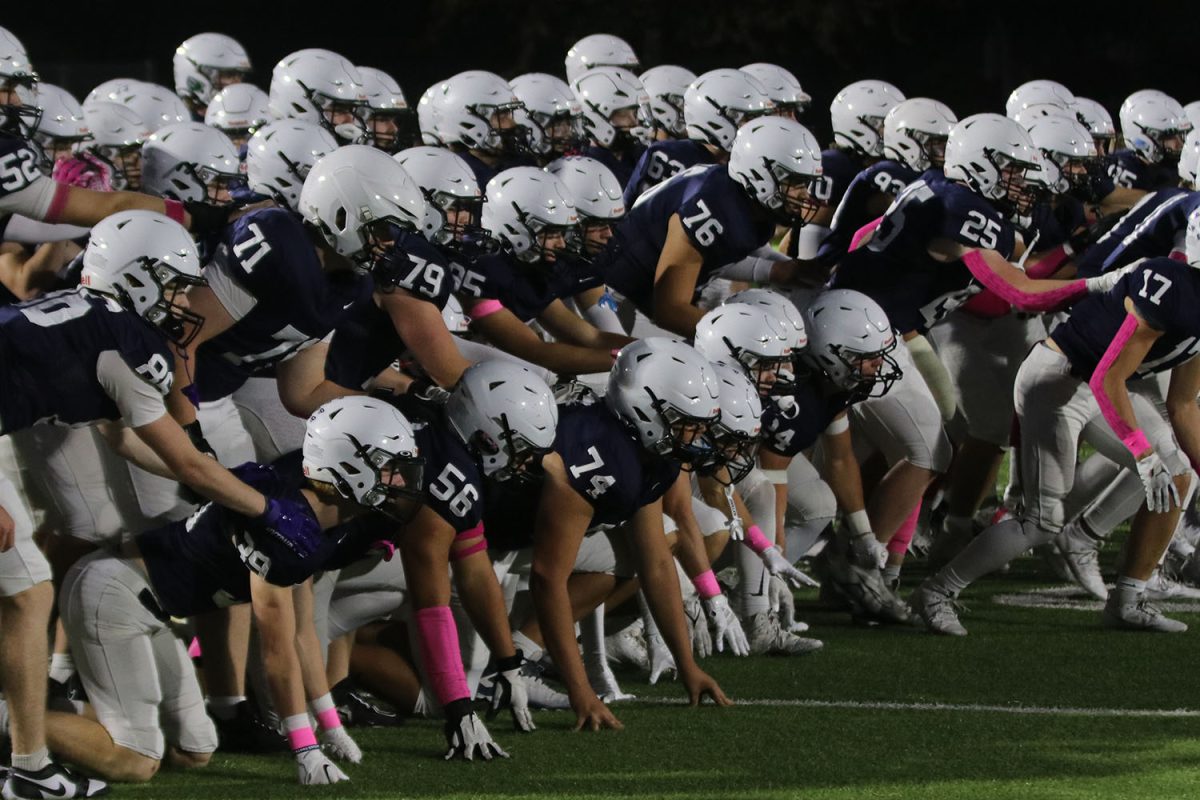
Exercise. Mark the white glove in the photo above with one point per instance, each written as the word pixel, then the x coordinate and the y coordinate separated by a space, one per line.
pixel 1102 283
pixel 1156 480
pixel 467 736
pixel 315 769
pixel 728 628
pixel 338 742
pixel 661 660
pixel 782 603
pixel 512 693
pixel 868 552
pixel 780 567
pixel 698 627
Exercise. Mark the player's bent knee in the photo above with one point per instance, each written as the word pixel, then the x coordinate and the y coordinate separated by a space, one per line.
pixel 127 766
pixel 182 759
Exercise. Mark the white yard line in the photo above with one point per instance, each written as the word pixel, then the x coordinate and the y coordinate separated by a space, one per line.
pixel 1064 711
pixel 1072 598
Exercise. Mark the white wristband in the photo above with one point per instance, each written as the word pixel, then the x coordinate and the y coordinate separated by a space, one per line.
pixel 776 476
pixel 859 522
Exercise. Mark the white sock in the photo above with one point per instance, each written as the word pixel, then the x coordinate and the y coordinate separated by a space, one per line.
pixel 752 591
pixel 891 573
pixel 224 706
pixel 528 647
pixel 62 667
pixel 1128 590
pixel 32 762
pixel 988 552
pixel 591 629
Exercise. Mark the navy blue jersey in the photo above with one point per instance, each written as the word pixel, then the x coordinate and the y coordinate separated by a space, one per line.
pixel 204 562
pixel 1165 292
pixel 839 168
pixel 19 160
pixel 453 481
pixel 1054 221
pixel 1126 168
pixel 49 349
pixel 719 218
pixel 895 268
pixel 7 298
pixel 621 164
pixel 886 178
pixel 663 161
pixel 282 299
pixel 1091 263
pixel 1161 231
pixel 795 427
pixel 524 289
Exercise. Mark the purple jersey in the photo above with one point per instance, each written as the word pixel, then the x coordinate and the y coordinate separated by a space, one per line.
pixel 49 350
pixel 720 219
pixel 267 274
pixel 895 268
pixel 1165 294
pixel 663 161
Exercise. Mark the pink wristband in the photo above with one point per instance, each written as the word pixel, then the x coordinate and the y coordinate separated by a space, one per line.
pixel 484 308
pixel 706 585
pixel 174 210
pixel 1136 442
pixel 329 719
pixel 302 738
pixel 757 540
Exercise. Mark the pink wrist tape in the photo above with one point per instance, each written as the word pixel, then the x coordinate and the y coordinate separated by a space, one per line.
pixel 302 738
pixel 706 585
pixel 756 540
pixel 57 203
pixel 440 654
pixel 1107 408
pixel 484 308
pixel 326 712
pixel 1136 442
pixel 904 534
pixel 174 210
pixel 1048 264
pixel 862 232
pixel 1028 301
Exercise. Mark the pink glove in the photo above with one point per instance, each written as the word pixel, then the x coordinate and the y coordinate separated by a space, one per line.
pixel 85 171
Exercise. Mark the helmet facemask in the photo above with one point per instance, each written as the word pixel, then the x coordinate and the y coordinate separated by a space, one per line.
pixel 687 439
pixel 21 116
pixel 341 117
pixel 733 450
pixel 125 162
pixel 932 145
pixel 1015 192
pixel 633 128
pixel 863 384
pixel 460 230
pixel 502 140
pixel 397 489
pixel 794 201
pixel 177 322
pixel 514 458
pixel 390 130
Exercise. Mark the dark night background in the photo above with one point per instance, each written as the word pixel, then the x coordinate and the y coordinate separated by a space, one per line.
pixel 967 54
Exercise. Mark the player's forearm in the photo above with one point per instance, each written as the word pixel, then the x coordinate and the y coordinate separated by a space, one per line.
pixel 678 318
pixel 483 600
pixel 553 606
pixel 1017 288
pixel 128 445
pixel 209 479
pixel 661 587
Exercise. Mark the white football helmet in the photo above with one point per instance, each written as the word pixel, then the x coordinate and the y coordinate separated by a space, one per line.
pixel 61 126
pixel 857 113
pixel 599 50
pixel 391 124
pixel 319 86
pixel 751 337
pixel 17 72
pixel 1069 152
pixel 915 133
pixel 777 161
pixel 851 341
pixel 238 111
pixel 190 161
pixel 1153 125
pixel 1031 114
pixel 472 109
pixel 530 211
pixel 142 259
pixel 1036 92
pixel 782 87
pixel 616 108
pixel 1192 239
pixel 665 86
pixel 427 115
pixel 280 155
pixel 551 113
pixel 1098 121
pixel 365 449
pixel 506 416
pixel 356 196
pixel 718 103
pixel 737 434
pixel 454 198
pixel 667 395
pixel 155 105
pixel 783 309
pixel 597 195
pixel 994 156
pixel 1189 160
pixel 117 137
pixel 207 63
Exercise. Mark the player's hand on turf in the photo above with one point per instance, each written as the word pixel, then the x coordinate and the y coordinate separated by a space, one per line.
pixel 340 745
pixel 592 715
pixel 1161 492
pixel 8 530
pixel 467 736
pixel 661 660
pixel 700 684
pixel 511 693
pixel 728 628
pixel 780 567
pixel 315 768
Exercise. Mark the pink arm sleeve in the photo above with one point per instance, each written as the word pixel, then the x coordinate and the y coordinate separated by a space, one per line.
pixel 862 232
pixel 1133 438
pixel 1028 301
pixel 1048 264
pixel 439 651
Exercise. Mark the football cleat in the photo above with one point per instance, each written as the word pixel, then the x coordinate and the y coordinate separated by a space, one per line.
pixel 246 732
pixel 358 708
pixel 541 694
pixel 1081 553
pixel 51 781
pixel 1138 616
pixel 1160 587
pixel 767 637
pixel 627 647
pixel 938 610
pixel 862 587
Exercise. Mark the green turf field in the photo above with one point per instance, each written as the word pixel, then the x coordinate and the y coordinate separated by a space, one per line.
pixel 1043 703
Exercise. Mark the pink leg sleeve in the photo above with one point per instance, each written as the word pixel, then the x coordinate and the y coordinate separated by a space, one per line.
pixel 904 534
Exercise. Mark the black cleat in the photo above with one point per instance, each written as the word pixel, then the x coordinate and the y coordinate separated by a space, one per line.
pixel 246 732
pixel 359 708
pixel 51 781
